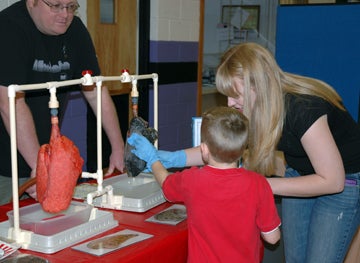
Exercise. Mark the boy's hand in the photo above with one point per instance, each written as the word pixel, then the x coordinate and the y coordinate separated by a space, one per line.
pixel 143 149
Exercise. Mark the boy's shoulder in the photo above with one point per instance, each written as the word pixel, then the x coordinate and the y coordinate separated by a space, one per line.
pixel 252 173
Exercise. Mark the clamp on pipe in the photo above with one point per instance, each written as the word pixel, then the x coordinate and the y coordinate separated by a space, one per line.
pixel 87 78
pixel 53 102
pixel 125 76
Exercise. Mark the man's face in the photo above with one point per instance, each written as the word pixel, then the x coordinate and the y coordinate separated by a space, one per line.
pixel 52 17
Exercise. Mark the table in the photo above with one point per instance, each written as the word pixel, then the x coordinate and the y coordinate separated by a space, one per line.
pixel 168 244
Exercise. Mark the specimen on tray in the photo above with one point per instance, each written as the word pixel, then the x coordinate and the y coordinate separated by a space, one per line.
pixel 110 242
pixel 59 165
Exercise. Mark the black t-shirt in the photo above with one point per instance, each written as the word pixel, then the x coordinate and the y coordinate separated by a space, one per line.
pixel 29 56
pixel 302 112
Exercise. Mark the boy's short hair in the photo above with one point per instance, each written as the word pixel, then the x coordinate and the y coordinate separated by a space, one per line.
pixel 225 131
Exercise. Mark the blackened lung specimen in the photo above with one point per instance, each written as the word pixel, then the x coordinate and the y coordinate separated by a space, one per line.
pixel 133 164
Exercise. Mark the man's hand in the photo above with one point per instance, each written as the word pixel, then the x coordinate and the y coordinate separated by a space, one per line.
pixel 116 163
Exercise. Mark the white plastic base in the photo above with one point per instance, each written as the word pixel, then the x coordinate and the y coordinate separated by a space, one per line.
pixel 135 194
pixel 102 222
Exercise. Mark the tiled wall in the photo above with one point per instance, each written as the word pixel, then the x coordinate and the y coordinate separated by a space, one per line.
pixel 174 20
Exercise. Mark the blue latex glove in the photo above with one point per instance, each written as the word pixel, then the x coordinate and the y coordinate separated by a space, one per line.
pixel 143 149
pixel 175 159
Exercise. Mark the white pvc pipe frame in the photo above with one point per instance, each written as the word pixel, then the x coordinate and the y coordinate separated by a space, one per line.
pixel 86 80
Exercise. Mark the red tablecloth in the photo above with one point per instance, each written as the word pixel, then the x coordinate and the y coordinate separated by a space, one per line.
pixel 169 243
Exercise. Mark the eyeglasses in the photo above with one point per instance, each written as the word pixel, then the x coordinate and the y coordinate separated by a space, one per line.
pixel 56 8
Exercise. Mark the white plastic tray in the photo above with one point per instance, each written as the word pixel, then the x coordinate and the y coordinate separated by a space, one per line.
pixel 138 194
pixel 102 222
pixel 33 218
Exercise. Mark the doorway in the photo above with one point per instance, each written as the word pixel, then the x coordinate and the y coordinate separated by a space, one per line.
pixel 113 27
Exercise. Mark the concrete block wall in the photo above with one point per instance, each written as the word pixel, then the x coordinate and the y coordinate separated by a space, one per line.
pixel 174 20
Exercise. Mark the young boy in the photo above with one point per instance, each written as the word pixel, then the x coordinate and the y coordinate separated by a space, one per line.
pixel 228 208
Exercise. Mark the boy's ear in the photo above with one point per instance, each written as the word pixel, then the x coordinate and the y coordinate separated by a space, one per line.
pixel 203 147
pixel 204 151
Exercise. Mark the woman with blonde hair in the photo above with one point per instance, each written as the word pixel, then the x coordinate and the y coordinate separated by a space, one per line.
pixel 306 120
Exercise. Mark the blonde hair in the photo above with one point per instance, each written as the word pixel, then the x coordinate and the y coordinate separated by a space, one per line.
pixel 225 131
pixel 258 69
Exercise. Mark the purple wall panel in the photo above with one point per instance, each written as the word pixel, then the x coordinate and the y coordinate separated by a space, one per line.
pixel 73 125
pixel 177 106
pixel 173 51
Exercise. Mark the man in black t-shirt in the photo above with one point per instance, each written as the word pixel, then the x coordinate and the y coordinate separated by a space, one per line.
pixel 44 41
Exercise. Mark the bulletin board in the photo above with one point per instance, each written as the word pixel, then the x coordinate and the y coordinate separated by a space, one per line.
pixel 322 41
pixel 252 21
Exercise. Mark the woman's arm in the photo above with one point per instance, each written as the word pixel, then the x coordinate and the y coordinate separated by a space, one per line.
pixel 329 176
pixel 193 156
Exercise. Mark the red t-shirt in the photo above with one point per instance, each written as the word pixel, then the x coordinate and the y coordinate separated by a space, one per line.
pixel 227 210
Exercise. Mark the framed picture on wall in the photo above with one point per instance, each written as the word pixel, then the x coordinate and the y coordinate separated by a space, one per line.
pixel 242 17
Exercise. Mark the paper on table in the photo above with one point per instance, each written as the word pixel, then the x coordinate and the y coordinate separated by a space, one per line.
pixel 113 242
pixel 171 216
